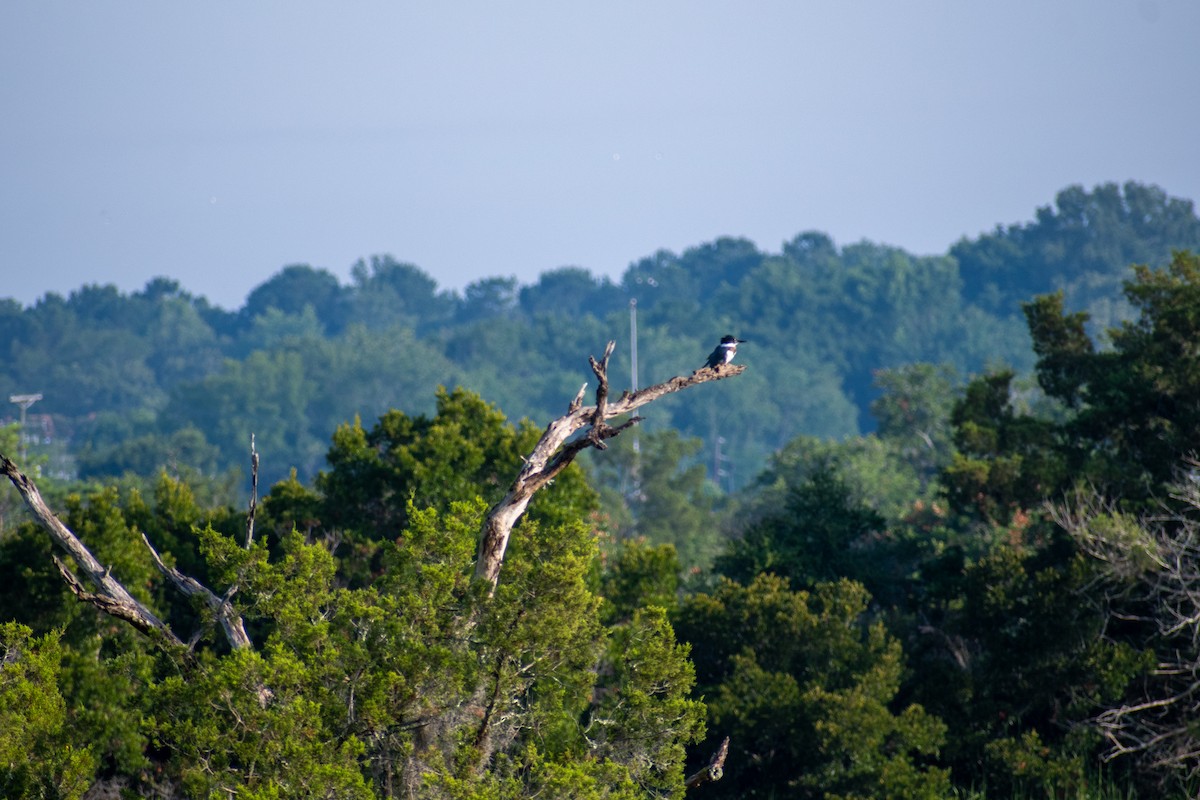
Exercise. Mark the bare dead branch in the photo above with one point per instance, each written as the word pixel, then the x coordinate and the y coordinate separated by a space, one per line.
pixel 1149 572
pixel 230 621
pixel 556 450
pixel 598 418
pixel 113 607
pixel 112 598
pixel 714 770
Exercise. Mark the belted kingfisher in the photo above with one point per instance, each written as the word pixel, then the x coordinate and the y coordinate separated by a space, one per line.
pixel 725 351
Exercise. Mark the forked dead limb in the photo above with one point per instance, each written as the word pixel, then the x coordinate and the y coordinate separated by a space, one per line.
pixel 112 597
pixel 557 449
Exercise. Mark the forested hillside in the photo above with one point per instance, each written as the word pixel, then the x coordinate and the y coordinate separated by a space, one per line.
pixel 161 378
pixel 958 558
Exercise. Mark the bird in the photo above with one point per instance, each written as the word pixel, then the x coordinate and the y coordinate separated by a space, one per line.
pixel 724 352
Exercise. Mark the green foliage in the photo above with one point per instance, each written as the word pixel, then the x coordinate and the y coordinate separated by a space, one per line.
pixel 387 294
pixel 1011 652
pixel 247 722
pixel 101 663
pixel 820 534
pixel 412 677
pixel 643 716
pixel 1007 460
pixel 1084 245
pixel 804 685
pixel 1131 411
pixel 37 757
pixel 296 291
pixel 418 678
pixel 184 452
pixel 889 471
pixel 913 414
pixel 655 486
pixel 641 575
pixel 465 450
pixel 379 665
pixel 873 470
pixel 1138 406
pixel 306 353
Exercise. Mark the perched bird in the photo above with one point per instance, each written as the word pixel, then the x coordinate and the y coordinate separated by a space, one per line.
pixel 725 351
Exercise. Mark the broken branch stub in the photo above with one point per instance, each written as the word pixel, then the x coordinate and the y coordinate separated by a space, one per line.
pixel 713 771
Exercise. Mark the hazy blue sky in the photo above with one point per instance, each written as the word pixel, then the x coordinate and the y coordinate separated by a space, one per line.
pixel 217 142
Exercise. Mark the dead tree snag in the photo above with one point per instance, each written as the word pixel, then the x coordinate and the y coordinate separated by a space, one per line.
pixel 113 598
pixel 559 446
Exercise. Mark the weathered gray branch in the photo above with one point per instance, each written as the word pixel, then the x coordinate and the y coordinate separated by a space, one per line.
pixel 714 770
pixel 135 615
pixel 230 621
pixel 556 450
pixel 112 598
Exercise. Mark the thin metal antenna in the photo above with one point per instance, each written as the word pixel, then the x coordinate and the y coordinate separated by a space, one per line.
pixel 633 341
pixel 633 368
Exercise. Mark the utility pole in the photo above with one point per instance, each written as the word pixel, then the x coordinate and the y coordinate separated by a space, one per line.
pixel 24 401
pixel 718 459
pixel 633 341
pixel 633 368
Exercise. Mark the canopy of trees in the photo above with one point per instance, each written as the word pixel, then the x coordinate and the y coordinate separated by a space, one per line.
pixel 161 378
pixel 990 593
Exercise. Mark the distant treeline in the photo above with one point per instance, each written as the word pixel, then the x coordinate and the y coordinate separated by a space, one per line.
pixel 162 378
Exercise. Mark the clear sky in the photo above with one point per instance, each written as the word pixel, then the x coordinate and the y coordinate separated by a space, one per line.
pixel 217 142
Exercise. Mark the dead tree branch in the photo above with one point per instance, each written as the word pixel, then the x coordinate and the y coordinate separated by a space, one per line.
pixel 112 598
pixel 557 449
pixel 230 621
pixel 115 608
pixel 714 770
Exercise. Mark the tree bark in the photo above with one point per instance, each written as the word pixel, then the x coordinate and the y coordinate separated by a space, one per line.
pixel 556 450
pixel 113 598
